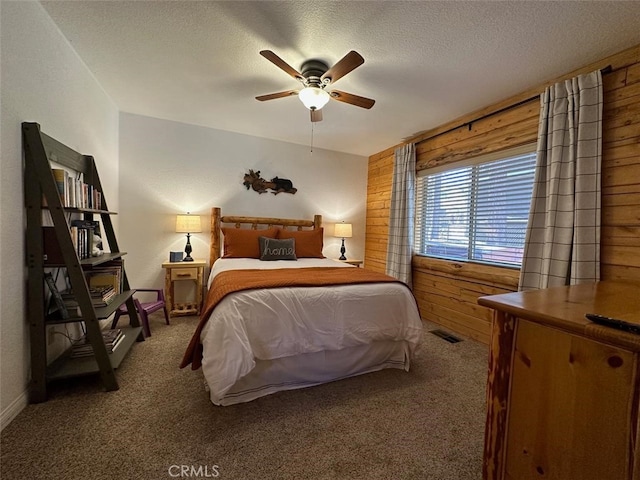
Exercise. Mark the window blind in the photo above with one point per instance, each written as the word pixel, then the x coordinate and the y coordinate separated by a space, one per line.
pixel 478 212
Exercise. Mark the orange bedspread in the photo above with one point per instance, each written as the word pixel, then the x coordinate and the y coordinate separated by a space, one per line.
pixel 237 280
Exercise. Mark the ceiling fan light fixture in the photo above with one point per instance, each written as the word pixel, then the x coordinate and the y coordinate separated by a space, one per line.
pixel 315 76
pixel 314 98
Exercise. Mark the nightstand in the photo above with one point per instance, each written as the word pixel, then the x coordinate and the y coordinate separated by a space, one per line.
pixel 180 271
pixel 353 261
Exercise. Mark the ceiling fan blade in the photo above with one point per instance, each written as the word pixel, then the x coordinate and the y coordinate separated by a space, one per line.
pixel 356 100
pixel 349 62
pixel 316 115
pixel 273 96
pixel 278 62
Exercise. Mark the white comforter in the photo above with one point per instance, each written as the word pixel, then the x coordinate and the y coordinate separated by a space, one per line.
pixel 268 324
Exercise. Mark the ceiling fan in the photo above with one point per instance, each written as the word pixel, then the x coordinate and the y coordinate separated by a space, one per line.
pixel 315 77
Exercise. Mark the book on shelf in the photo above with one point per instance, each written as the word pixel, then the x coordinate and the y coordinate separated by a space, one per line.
pixel 100 290
pixel 83 348
pixel 104 279
pixel 85 236
pixel 102 295
pixel 74 192
pixel 60 176
pixel 106 274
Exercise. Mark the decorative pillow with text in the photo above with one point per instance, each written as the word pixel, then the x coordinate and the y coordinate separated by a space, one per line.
pixel 273 249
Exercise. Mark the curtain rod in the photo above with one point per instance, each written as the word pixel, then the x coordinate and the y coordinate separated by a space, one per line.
pixel 603 71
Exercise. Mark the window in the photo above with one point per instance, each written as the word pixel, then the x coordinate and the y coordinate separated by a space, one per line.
pixel 478 212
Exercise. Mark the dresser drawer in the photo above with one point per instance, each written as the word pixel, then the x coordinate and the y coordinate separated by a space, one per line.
pixel 184 273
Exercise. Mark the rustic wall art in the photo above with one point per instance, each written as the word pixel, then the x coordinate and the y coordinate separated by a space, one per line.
pixel 252 180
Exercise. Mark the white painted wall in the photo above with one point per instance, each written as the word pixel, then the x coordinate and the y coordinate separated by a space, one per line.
pixel 165 168
pixel 44 81
pixel 168 168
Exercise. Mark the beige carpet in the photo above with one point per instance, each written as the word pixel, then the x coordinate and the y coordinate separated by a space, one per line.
pixel 425 424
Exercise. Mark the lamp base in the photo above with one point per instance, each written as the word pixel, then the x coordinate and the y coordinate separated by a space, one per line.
pixel 187 249
pixel 342 250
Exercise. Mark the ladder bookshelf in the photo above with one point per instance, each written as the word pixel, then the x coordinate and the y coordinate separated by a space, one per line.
pixel 43 200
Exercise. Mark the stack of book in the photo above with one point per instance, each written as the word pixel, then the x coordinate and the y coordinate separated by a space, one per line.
pixel 108 274
pixel 86 238
pixel 74 193
pixel 83 348
pixel 103 295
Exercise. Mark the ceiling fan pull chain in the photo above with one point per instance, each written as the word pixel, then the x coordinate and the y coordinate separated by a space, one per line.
pixel 311 138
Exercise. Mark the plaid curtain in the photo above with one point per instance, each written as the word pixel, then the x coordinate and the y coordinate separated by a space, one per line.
pixel 401 215
pixel 562 244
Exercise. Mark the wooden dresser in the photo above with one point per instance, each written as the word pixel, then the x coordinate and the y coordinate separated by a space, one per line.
pixel 563 392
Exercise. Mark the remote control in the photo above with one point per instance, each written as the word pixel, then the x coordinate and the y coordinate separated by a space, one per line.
pixel 614 322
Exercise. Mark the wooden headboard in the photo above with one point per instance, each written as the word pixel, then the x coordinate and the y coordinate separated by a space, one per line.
pixel 218 221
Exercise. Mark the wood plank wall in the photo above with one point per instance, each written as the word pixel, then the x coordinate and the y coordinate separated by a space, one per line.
pixel 447 291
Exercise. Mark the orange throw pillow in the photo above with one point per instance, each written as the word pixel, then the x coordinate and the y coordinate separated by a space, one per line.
pixel 309 243
pixel 243 242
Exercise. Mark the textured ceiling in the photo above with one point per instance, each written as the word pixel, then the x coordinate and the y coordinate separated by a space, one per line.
pixel 426 62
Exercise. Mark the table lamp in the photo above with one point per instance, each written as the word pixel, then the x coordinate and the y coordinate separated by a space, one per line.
pixel 342 230
pixel 188 224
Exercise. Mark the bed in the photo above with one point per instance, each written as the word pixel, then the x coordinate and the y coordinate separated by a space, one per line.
pixel 280 316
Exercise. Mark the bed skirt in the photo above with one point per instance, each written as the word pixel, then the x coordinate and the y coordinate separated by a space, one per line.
pixel 310 369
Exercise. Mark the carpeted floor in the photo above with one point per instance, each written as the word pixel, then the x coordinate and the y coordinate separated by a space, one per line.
pixel 426 424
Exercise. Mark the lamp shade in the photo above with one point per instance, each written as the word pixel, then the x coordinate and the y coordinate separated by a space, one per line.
pixel 314 98
pixel 188 224
pixel 343 230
